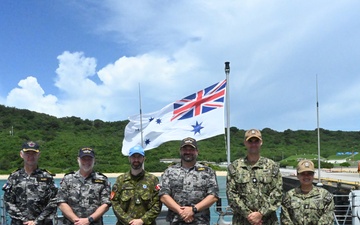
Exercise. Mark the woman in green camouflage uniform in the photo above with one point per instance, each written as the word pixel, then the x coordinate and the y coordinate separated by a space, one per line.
pixel 307 204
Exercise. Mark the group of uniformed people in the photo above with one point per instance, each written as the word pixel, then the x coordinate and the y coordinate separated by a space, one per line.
pixel 254 191
pixel 188 189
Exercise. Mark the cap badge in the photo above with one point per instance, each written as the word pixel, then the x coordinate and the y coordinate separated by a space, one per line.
pixel 31 144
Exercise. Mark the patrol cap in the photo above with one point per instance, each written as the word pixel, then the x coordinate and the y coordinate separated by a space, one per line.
pixel 86 151
pixel 252 133
pixel 30 146
pixel 304 166
pixel 188 141
pixel 137 150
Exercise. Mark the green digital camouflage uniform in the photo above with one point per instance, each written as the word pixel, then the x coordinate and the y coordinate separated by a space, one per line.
pixel 256 188
pixel 189 187
pixel 30 197
pixel 136 197
pixel 313 208
pixel 84 195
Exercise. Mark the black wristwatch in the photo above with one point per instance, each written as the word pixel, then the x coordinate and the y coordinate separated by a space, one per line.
pixel 91 220
pixel 194 209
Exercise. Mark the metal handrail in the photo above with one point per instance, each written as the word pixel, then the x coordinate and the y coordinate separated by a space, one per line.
pixel 3 219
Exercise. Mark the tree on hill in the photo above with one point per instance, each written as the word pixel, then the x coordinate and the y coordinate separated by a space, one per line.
pixel 61 138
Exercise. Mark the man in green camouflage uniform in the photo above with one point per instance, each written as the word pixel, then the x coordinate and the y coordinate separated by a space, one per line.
pixel 30 192
pixel 189 188
pixel 307 204
pixel 254 185
pixel 84 196
pixel 135 194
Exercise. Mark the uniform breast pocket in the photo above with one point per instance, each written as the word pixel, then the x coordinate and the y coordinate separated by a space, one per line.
pixel 42 189
pixel 265 178
pixel 317 207
pixel 294 205
pixel 145 199
pixel 125 198
pixel 242 182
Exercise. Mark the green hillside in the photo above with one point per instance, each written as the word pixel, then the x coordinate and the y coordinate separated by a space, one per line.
pixel 60 139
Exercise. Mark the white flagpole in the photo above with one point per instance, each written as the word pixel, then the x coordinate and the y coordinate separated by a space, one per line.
pixel 318 132
pixel 227 72
pixel 141 127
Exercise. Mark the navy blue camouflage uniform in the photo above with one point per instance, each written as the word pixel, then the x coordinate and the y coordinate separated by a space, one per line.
pixel 189 187
pixel 84 195
pixel 30 197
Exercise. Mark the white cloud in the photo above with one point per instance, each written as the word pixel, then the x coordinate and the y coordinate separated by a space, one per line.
pixel 31 96
pixel 173 49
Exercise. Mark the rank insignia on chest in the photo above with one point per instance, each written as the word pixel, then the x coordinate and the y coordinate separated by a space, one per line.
pixel 98 181
pixel 42 179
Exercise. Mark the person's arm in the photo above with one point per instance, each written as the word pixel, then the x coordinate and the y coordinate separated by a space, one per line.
pixel 206 203
pixel 170 203
pixel 68 212
pixel 212 192
pixel 328 213
pixel 236 203
pixel 120 214
pixel 284 215
pixel 105 201
pixel 62 199
pixel 9 200
pixel 100 211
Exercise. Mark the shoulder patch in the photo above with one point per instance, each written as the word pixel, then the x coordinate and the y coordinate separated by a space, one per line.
pixel 202 168
pixel 101 174
pixel 231 169
pixel 52 174
pixel 6 186
pixel 16 170
pixel 72 172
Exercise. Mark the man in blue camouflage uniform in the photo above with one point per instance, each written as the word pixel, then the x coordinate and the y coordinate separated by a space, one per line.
pixel 30 192
pixel 307 204
pixel 135 194
pixel 254 185
pixel 189 188
pixel 84 196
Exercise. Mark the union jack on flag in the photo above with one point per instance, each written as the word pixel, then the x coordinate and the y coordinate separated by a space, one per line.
pixel 200 102
pixel 199 115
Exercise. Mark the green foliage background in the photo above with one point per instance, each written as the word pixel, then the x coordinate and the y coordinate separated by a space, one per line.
pixel 61 138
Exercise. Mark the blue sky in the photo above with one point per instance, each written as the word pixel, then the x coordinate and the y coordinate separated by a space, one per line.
pixel 87 58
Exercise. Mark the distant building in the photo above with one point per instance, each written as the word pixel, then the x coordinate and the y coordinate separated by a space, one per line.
pixel 175 160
